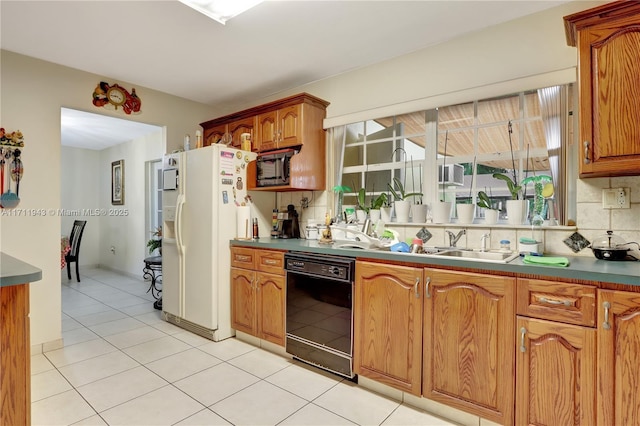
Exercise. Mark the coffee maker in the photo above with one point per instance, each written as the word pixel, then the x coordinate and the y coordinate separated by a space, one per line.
pixel 288 225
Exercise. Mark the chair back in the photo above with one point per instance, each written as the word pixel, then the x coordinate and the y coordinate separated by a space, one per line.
pixel 76 236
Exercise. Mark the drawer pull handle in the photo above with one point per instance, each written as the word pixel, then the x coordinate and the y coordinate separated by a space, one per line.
pixel 554 302
pixel 606 324
pixel 587 160
pixel 243 258
pixel 426 287
pixel 270 262
pixel 523 331
pixel 415 288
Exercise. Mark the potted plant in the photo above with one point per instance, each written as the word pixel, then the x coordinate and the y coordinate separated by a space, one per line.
pixel 401 203
pixel 376 205
pixel 155 242
pixel 516 207
pixel 361 207
pixel 490 213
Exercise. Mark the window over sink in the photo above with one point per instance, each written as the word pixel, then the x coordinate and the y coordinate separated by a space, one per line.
pixel 524 134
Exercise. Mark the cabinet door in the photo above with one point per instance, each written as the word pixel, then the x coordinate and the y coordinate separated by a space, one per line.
pixel 469 342
pixel 289 126
pixel 239 127
pixel 618 367
pixel 387 328
pixel 555 378
pixel 609 64
pixel 243 301
pixel 214 135
pixel 270 307
pixel 267 133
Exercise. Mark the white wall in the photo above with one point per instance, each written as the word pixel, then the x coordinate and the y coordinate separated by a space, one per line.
pixel 86 185
pixel 79 184
pixel 126 233
pixel 33 92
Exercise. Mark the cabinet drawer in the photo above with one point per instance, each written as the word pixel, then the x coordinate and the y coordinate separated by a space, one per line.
pixel 243 257
pixel 569 303
pixel 270 261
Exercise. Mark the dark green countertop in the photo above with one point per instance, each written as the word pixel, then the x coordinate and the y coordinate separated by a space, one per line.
pixel 580 267
pixel 14 271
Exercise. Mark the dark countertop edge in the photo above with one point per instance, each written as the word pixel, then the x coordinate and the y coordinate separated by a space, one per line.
pixel 580 268
pixel 15 272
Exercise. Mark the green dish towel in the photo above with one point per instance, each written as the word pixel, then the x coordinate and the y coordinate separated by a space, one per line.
pixel 546 260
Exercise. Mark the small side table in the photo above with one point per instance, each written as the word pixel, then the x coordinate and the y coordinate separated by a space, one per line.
pixel 153 270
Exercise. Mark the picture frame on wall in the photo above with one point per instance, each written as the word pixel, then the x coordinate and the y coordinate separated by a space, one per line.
pixel 117 182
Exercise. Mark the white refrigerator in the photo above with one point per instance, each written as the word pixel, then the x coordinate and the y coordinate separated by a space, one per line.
pixel 202 192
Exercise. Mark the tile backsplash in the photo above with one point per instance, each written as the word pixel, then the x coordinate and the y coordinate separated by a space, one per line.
pixel 592 220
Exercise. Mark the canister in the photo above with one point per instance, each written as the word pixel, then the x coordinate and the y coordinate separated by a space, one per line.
pixel 312 232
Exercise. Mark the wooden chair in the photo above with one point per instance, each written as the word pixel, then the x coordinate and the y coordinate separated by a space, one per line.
pixel 74 241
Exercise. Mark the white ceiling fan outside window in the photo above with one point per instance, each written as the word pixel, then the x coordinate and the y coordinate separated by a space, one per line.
pixel 221 10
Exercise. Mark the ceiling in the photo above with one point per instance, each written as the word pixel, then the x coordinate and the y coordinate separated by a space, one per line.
pixel 276 46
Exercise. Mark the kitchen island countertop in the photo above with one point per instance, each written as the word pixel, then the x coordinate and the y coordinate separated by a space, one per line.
pixel 580 267
pixel 15 272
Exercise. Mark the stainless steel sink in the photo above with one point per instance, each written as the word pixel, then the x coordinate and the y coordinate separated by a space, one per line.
pixel 494 256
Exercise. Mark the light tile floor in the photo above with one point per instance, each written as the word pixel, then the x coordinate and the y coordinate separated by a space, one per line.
pixel 123 365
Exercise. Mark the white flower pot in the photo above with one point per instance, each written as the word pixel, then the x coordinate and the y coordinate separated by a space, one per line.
pixel 466 213
pixel 374 215
pixel 361 216
pixel 419 213
pixel 490 216
pixel 441 212
pixel 516 211
pixel 385 213
pixel 403 207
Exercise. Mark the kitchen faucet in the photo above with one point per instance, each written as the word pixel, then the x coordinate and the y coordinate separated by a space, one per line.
pixel 483 241
pixel 453 238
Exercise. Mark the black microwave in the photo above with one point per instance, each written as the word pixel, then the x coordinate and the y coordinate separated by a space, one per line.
pixel 273 168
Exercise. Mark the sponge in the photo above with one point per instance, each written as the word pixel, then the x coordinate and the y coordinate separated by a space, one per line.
pixel 525 240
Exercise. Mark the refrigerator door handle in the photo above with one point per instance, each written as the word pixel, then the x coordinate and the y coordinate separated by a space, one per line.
pixel 179 225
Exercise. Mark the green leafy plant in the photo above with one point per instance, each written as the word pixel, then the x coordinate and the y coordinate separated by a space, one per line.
pixel 514 188
pixel 155 243
pixel 379 201
pixel 398 192
pixel 361 200
pixel 484 201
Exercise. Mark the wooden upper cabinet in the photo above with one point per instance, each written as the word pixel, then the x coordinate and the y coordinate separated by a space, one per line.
pixel 608 42
pixel 618 397
pixel 281 128
pixel 469 342
pixel 267 133
pixel 290 126
pixel 238 127
pixel 296 121
pixel 214 135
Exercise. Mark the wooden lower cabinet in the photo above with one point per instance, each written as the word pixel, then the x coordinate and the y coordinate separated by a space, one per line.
pixel 469 342
pixel 15 356
pixel 387 324
pixel 618 396
pixel 555 373
pixel 258 297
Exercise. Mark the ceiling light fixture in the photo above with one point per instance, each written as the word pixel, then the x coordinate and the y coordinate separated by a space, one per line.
pixel 221 10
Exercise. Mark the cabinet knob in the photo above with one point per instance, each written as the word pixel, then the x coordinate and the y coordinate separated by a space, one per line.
pixel 587 159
